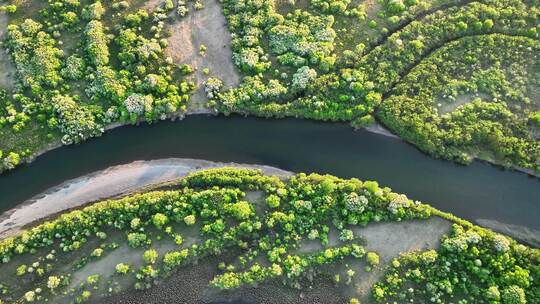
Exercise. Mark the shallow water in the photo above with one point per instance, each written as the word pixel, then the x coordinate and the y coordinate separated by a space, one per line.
pixel 476 191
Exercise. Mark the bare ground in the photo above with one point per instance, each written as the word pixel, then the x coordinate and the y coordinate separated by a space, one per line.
pixel 391 239
pixel 447 107
pixel 190 284
pixel 206 27
pixel 152 4
pixel 388 240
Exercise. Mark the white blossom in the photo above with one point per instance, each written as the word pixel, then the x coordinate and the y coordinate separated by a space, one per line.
pixel 303 77
pixel 135 103
pixel 355 203
pixel 501 243
pixel 212 87
pixel 30 296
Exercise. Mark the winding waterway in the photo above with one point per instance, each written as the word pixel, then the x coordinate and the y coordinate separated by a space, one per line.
pixel 478 191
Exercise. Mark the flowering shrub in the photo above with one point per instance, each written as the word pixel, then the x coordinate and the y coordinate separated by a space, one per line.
pixel 35 55
pixel 53 282
pixel 122 268
pixel 302 78
pixel 355 203
pixel 74 68
pixel 212 87
pixel 150 256
pixel 305 35
pixel 173 259
pixel 76 122
pixel 135 103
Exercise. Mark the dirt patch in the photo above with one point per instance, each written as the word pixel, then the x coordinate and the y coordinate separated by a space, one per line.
pixel 527 235
pixel 151 5
pixel 391 239
pixel 7 69
pixel 387 239
pixel 190 285
pixel 206 27
pixel 447 106
pixel 284 7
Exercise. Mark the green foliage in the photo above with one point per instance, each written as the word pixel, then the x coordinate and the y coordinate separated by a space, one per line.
pixel 75 68
pixel 373 258
pixel 93 11
pixel 463 268
pixel 122 268
pixel 36 56
pixel 76 122
pixel 137 239
pixel 351 88
pixel 273 201
pixel 150 256
pixel 10 9
pixel 67 90
pixel 471 262
pixel 174 259
pixel 97 43
pixel 189 220
pixel 496 124
pixel 159 220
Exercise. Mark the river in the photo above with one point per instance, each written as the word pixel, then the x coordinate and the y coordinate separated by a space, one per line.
pixel 477 191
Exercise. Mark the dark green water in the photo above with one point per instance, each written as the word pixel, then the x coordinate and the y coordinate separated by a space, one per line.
pixel 476 191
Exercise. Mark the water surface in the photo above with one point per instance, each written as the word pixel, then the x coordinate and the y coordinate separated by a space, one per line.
pixel 476 191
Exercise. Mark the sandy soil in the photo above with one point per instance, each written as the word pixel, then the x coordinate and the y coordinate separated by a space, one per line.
pixel 379 129
pixel 111 182
pixel 524 234
pixel 151 5
pixel 7 69
pixel 391 239
pixel 447 107
pixel 388 239
pixel 203 27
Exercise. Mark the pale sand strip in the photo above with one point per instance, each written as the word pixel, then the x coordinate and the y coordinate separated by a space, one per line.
pixel 111 182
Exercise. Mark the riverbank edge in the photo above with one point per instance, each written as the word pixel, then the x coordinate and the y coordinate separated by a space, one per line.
pixel 376 128
pixel 522 234
pixel 194 165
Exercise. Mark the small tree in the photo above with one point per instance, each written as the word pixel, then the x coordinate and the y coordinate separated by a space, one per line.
pixel 122 268
pixel 189 220
pixel 373 258
pixel 160 220
pixel 273 201
pixel 150 256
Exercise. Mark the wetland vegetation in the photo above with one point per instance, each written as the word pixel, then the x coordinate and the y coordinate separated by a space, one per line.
pixel 288 230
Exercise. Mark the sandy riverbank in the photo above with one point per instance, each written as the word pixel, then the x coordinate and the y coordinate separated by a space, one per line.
pixel 111 182
pixel 377 128
pixel 521 233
